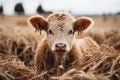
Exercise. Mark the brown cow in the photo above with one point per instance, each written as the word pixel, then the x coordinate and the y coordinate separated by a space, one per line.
pixel 59 46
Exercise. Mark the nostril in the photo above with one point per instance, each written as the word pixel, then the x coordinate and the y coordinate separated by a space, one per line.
pixel 57 46
pixel 64 46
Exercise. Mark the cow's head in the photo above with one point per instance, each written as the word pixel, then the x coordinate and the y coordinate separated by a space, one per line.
pixel 60 29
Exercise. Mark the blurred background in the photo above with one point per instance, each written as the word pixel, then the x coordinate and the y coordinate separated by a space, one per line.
pixel 18 41
pixel 76 7
pixel 105 13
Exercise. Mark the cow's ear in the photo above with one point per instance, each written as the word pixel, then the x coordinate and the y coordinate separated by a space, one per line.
pixel 82 24
pixel 38 22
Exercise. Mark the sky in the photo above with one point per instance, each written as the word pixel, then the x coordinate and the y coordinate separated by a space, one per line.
pixel 74 6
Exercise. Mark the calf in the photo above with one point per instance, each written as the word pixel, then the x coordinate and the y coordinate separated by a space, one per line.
pixel 59 46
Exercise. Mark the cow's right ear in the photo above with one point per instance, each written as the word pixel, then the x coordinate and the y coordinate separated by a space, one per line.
pixel 38 22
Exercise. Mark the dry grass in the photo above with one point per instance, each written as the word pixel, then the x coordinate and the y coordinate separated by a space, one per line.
pixel 17 49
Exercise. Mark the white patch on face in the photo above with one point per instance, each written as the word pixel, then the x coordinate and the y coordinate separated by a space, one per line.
pixel 60 25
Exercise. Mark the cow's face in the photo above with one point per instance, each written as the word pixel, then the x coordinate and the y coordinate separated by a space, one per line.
pixel 60 29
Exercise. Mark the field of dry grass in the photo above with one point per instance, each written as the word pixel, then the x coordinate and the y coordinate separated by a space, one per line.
pixel 18 43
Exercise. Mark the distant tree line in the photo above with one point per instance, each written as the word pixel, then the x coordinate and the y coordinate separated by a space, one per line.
pixel 19 9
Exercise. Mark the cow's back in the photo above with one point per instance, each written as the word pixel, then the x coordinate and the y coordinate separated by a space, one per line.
pixel 88 45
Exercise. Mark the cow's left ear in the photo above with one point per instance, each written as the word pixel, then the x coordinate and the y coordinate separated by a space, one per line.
pixel 82 24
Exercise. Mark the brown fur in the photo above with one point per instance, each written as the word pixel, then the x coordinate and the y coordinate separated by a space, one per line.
pixel 45 59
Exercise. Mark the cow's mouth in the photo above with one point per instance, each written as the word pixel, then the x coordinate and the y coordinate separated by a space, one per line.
pixel 60 50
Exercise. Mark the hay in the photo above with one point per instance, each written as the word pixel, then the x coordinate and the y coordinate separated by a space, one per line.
pixel 17 53
pixel 13 68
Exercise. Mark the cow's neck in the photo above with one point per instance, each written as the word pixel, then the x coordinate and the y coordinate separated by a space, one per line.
pixel 60 58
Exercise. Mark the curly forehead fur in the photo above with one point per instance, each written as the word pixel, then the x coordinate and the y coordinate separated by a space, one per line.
pixel 60 19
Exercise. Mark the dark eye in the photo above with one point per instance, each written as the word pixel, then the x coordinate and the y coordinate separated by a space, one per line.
pixel 70 32
pixel 50 32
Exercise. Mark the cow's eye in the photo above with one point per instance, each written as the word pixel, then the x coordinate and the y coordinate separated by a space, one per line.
pixel 70 32
pixel 50 32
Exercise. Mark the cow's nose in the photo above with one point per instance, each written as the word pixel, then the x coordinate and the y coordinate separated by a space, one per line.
pixel 60 46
